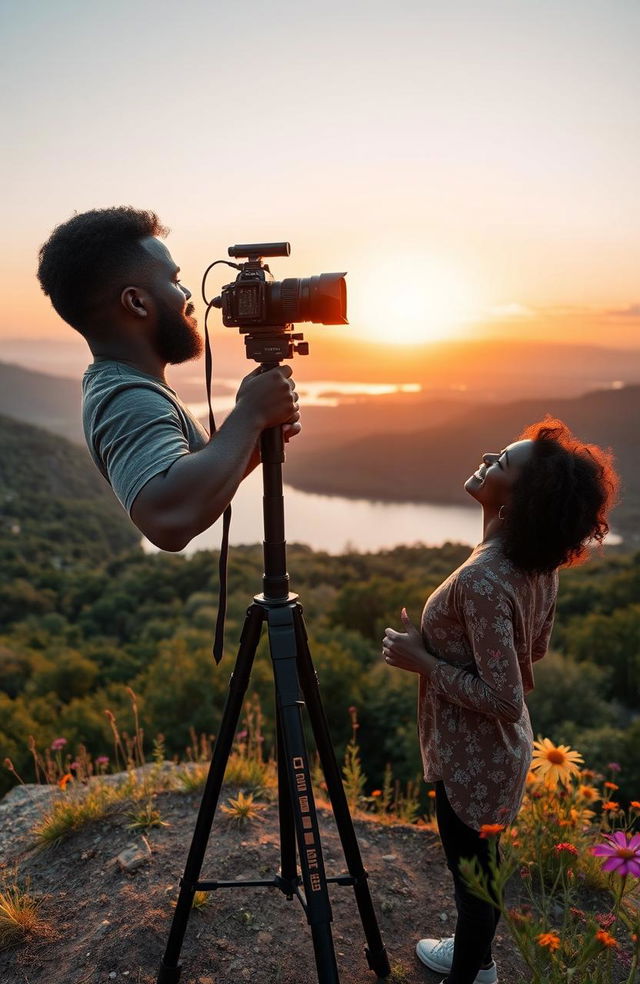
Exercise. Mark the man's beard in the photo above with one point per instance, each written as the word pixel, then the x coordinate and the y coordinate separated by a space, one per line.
pixel 177 336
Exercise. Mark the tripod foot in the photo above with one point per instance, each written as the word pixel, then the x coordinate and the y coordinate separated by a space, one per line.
pixel 378 961
pixel 169 975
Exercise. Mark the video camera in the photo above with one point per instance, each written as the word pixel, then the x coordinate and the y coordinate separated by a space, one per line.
pixel 265 310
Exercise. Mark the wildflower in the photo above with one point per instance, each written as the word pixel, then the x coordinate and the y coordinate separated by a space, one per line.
pixel 610 785
pixel 622 853
pixel 605 938
pixel 74 765
pixel 614 767
pixel 589 793
pixel 550 940
pixel 635 804
pixel 525 872
pixel 605 920
pixel 58 744
pixel 65 780
pixel 491 829
pixel 241 735
pixel 102 760
pixel 432 794
pixel 377 792
pixel 610 806
pixel 555 763
pixel 587 774
pixel 578 913
pixel 564 846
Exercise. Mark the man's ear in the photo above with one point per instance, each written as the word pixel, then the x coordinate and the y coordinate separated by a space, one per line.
pixel 135 301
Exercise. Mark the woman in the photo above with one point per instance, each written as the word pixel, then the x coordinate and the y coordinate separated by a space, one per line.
pixel 543 499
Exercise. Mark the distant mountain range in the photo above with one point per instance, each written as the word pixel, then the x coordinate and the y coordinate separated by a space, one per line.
pixel 408 447
pixel 431 462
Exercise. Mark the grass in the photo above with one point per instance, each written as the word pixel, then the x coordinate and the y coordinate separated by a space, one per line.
pixel 73 811
pixel 19 917
pixel 243 809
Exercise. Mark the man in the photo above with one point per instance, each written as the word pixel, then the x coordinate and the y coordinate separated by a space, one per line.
pixel 109 275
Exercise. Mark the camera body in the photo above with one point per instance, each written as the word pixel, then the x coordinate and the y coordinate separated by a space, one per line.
pixel 255 302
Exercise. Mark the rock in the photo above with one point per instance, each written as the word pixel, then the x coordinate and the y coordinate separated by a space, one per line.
pixel 133 856
pixel 102 930
pixel 389 857
pixel 444 916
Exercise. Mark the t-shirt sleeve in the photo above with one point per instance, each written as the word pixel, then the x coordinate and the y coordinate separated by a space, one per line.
pixel 137 435
pixel 494 687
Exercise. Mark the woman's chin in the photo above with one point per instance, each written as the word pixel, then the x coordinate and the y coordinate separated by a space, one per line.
pixel 473 486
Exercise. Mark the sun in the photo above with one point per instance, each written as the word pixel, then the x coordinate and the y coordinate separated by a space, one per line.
pixel 409 301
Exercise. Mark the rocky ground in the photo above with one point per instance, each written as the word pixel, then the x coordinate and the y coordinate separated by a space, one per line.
pixel 108 895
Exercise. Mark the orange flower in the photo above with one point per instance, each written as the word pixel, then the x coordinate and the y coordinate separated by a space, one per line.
pixel 491 829
pixel 635 804
pixel 605 938
pixel 432 794
pixel 610 785
pixel 550 940
pixel 377 792
pixel 67 778
pixel 610 805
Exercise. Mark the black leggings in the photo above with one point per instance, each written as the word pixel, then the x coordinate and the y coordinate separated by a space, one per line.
pixel 477 920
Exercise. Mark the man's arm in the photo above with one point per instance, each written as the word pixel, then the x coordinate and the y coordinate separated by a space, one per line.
pixel 193 493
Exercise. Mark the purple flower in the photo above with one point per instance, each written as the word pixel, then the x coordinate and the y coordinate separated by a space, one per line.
pixel 614 767
pixel 241 735
pixel 622 853
pixel 58 744
pixel 74 765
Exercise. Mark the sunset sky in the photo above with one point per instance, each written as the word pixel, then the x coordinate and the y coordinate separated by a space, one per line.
pixel 473 165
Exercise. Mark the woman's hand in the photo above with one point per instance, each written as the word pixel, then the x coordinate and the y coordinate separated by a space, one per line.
pixel 407 650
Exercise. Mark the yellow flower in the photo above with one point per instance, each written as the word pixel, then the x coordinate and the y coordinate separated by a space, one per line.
pixel 555 763
pixel 589 793
pixel 550 940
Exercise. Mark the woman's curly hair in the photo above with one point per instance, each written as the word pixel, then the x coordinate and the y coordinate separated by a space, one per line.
pixel 560 501
pixel 91 252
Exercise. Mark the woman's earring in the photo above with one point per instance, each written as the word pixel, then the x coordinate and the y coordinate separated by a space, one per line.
pixel 501 512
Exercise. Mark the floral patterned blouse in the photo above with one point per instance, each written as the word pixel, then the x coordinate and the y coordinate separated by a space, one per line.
pixel 487 624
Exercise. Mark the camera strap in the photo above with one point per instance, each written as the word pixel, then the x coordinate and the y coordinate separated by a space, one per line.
pixel 218 639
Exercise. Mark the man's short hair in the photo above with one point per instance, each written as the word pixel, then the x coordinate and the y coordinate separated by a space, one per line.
pixel 91 254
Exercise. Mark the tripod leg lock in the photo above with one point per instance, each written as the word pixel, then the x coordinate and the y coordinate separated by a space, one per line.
pixel 169 975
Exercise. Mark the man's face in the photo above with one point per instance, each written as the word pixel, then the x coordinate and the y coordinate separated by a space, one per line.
pixel 177 338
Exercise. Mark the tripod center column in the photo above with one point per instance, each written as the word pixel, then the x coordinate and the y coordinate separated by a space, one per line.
pixel 275 579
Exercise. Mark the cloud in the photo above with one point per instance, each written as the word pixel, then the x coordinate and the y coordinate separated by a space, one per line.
pixel 513 310
pixel 633 311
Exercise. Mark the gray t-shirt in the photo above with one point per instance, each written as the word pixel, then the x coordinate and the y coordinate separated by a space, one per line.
pixel 135 426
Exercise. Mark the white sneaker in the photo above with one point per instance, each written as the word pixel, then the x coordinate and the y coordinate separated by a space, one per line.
pixel 438 955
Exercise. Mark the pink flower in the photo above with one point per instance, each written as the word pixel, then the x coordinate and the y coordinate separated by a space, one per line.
pixel 58 744
pixel 614 767
pixel 622 853
pixel 102 760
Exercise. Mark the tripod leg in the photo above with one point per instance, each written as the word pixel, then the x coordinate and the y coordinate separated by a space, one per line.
pixel 288 867
pixel 282 640
pixel 169 972
pixel 376 953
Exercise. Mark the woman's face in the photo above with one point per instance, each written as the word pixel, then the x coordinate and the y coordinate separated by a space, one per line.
pixel 491 484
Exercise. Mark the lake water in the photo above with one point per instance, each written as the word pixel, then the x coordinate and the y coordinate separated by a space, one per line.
pixel 334 524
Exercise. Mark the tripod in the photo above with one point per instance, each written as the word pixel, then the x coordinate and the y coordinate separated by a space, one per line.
pixel 295 679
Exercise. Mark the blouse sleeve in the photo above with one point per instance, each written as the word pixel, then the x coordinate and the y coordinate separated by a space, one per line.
pixel 494 685
pixel 541 642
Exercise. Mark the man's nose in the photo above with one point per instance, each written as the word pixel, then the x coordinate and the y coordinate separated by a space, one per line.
pixel 185 291
pixel 489 458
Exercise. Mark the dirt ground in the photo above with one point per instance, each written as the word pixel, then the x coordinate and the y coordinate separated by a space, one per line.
pixel 105 923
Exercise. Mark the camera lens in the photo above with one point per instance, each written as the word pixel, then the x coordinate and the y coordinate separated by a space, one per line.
pixel 321 299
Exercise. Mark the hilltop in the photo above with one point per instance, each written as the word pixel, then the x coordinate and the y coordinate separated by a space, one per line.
pixel 104 922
